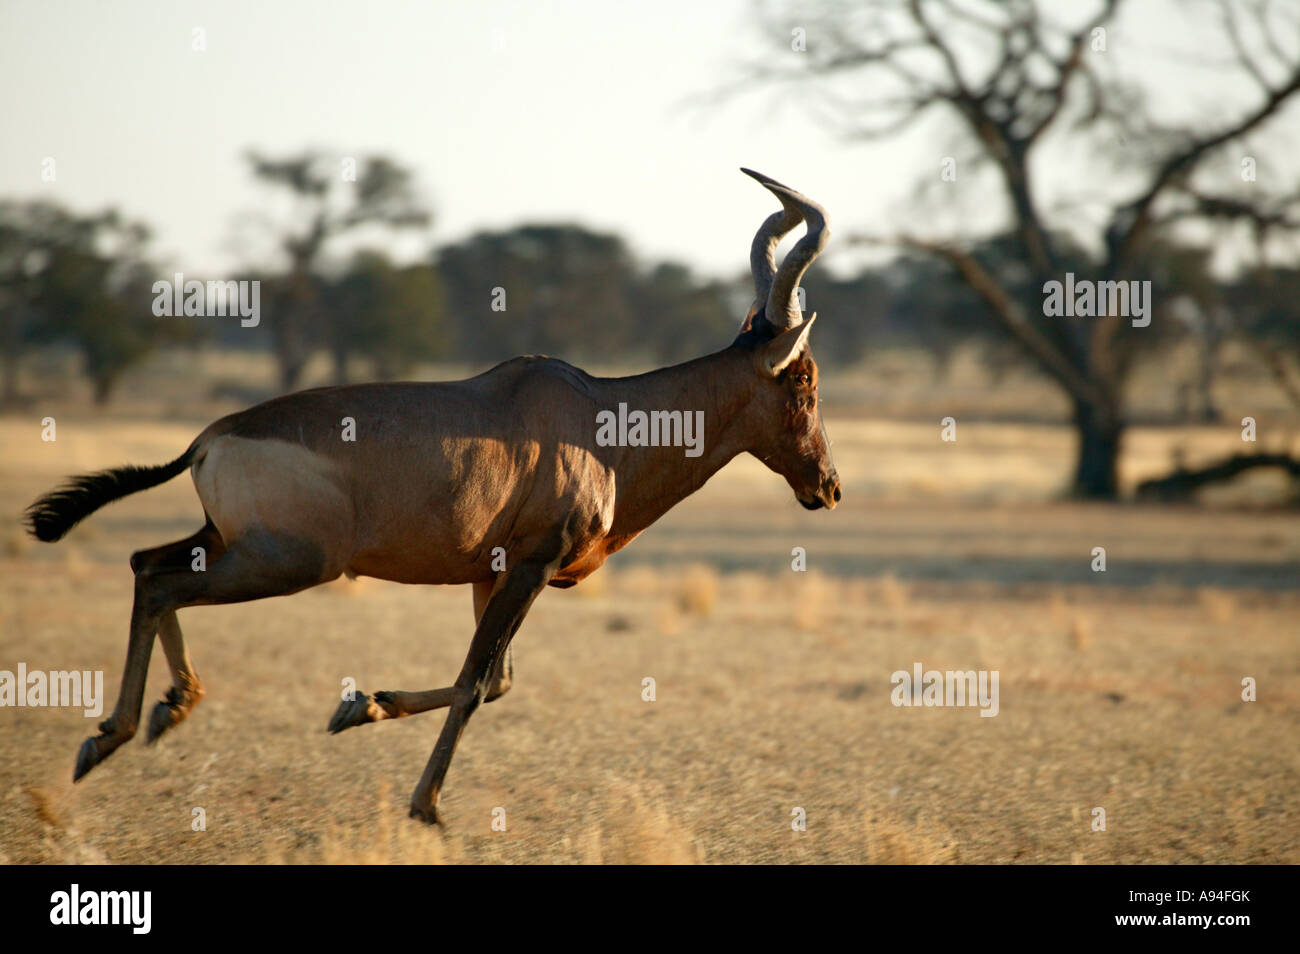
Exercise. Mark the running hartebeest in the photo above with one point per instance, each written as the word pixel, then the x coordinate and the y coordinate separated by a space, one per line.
pixel 439 481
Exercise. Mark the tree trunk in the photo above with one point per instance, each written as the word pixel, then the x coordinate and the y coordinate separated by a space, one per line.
pixel 293 343
pixel 290 371
pixel 9 395
pixel 1096 469
pixel 1206 370
pixel 103 387
pixel 11 342
pixel 290 350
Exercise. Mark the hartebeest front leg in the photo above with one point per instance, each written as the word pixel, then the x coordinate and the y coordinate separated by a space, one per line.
pixel 395 704
pixel 510 599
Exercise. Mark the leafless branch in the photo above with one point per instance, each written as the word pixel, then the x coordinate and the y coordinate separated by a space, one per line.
pixel 1008 311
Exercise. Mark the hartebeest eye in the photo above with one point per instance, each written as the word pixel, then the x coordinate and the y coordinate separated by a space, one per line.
pixel 804 379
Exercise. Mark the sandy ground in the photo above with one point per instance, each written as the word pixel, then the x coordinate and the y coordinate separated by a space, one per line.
pixel 1118 690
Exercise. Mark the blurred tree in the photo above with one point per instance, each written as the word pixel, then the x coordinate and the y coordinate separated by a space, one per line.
pixel 81 279
pixel 26 232
pixel 1009 74
pixel 860 305
pixel 679 316
pixel 1265 305
pixel 389 315
pixel 1189 294
pixel 558 289
pixel 329 196
pixel 933 309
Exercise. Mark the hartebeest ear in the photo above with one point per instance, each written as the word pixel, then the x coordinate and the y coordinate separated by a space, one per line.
pixel 777 354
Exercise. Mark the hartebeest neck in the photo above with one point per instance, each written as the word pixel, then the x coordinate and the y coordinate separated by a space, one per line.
pixel 714 390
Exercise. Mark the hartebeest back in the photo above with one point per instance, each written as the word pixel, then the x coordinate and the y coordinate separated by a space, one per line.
pixel 440 483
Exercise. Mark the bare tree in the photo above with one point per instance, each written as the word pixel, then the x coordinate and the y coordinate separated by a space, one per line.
pixel 1010 73
pixel 331 196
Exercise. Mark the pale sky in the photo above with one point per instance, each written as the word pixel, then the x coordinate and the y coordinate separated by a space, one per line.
pixel 507 111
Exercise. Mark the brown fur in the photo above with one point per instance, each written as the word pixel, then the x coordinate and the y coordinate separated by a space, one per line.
pixel 438 477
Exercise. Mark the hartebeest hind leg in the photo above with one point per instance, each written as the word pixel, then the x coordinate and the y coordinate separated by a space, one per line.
pixel 257 565
pixel 511 596
pixel 396 704
pixel 186 690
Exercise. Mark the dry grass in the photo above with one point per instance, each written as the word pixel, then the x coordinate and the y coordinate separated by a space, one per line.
pixel 1221 605
pixel 643 832
pixel 387 841
pixel 1080 633
pixel 890 841
pixel 890 592
pixel 697 592
pixel 810 597
pixel 43 808
pixel 1069 619
pixel 1118 690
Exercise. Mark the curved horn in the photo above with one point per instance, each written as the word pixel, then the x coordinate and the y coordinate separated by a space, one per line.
pixel 782 308
pixel 762 257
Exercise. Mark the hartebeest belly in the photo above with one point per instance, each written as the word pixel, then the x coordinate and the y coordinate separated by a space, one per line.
pixel 413 488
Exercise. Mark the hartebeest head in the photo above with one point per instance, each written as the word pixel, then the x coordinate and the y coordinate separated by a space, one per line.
pixel 794 442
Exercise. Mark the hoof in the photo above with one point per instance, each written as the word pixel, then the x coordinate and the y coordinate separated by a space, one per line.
pixel 164 716
pixel 161 719
pixel 358 711
pixel 171 711
pixel 427 815
pixel 87 759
